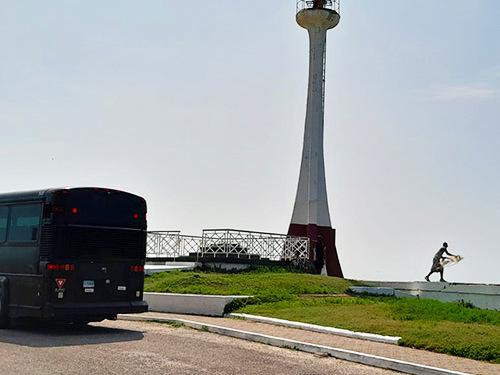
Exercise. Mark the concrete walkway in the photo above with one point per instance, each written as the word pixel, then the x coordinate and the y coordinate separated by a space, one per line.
pixel 378 354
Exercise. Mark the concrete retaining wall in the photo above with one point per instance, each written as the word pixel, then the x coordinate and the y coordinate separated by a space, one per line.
pixel 381 291
pixel 188 303
pixel 151 267
pixel 484 296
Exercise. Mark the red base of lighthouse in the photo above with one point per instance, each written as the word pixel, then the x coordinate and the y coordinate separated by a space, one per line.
pixel 312 231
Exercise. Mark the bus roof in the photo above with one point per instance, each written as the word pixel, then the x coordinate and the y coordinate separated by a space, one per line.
pixel 34 195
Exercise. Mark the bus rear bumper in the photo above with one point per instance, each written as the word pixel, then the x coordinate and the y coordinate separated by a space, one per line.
pixel 106 310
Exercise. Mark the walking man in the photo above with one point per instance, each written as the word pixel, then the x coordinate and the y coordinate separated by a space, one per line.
pixel 436 262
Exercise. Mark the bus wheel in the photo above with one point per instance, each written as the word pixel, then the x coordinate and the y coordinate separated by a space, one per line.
pixel 4 303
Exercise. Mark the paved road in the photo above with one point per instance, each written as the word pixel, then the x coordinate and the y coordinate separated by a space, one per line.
pixel 125 347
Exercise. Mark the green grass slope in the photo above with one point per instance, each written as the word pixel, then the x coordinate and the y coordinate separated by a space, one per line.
pixel 451 328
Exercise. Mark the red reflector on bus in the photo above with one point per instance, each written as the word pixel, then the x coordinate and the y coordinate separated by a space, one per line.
pixel 74 210
pixel 136 216
pixel 60 267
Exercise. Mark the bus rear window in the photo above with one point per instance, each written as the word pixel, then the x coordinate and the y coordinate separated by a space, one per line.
pixel 24 223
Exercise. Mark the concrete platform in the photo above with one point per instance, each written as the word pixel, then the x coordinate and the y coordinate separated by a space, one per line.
pixel 484 296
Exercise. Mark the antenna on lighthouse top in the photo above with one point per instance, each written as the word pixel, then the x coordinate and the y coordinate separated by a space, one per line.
pixel 318 4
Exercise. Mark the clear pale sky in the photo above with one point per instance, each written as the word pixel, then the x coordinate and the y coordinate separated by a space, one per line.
pixel 199 107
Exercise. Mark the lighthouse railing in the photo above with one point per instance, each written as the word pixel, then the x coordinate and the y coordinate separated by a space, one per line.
pixel 315 4
pixel 227 243
pixel 171 244
pixel 253 245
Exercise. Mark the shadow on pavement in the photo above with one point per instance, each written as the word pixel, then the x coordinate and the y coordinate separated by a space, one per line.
pixel 54 335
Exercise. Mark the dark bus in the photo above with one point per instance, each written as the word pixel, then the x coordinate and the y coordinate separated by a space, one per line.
pixel 71 254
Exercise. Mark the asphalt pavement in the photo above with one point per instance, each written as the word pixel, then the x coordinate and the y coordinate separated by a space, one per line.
pixel 126 347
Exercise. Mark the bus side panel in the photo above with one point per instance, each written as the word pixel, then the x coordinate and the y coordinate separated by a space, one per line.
pixel 20 264
pixel 19 259
pixel 26 296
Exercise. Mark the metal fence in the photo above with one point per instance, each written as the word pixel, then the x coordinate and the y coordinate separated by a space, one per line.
pixel 171 244
pixel 326 4
pixel 228 243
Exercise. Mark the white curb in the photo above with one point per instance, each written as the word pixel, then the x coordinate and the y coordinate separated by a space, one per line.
pixel 347 355
pixel 322 329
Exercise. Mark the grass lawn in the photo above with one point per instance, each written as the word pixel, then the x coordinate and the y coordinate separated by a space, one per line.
pixel 258 282
pixel 426 324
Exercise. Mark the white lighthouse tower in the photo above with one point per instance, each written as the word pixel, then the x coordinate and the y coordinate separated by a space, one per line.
pixel 311 215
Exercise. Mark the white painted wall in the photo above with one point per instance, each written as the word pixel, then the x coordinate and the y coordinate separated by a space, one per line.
pixel 188 303
pixel 484 296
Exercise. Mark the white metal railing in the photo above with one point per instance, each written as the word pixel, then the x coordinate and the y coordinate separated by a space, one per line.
pixel 171 244
pixel 228 243
pixel 312 4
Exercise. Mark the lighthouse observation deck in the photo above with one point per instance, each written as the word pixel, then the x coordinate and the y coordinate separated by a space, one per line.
pixel 322 14
pixel 318 4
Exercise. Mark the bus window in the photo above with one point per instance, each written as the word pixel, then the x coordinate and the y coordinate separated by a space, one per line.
pixel 4 210
pixel 24 223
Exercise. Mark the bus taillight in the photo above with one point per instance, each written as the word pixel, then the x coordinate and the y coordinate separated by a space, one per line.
pixel 136 268
pixel 60 267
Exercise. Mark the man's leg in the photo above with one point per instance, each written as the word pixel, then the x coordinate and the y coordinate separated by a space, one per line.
pixel 441 271
pixel 427 277
pixel 433 269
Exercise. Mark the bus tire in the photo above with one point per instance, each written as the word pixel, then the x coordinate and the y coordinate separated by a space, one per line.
pixel 4 302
